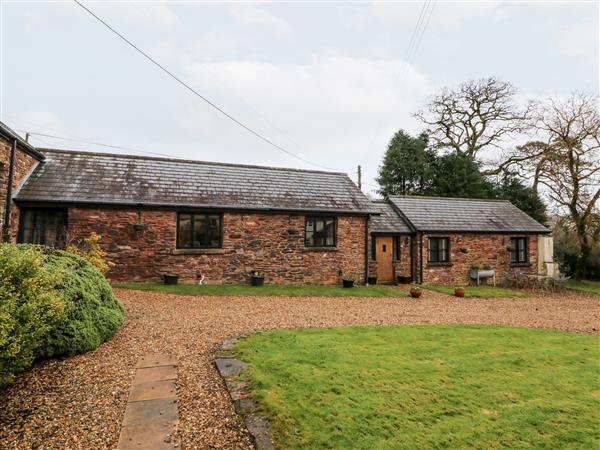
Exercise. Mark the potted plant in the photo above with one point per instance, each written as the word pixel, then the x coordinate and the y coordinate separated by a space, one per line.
pixel 171 279
pixel 257 278
pixel 459 291
pixel 139 225
pixel 372 280
pixel 347 281
pixel 415 291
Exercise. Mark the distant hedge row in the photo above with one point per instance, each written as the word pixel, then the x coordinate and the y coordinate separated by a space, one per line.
pixel 52 303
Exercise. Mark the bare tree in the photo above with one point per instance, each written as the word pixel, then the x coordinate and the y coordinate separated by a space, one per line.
pixel 477 114
pixel 567 163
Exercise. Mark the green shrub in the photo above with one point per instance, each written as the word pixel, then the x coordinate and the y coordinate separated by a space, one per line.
pixel 92 312
pixel 29 307
pixel 52 303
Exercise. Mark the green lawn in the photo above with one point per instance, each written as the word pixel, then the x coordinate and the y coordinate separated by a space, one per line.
pixel 266 290
pixel 480 291
pixel 584 285
pixel 432 387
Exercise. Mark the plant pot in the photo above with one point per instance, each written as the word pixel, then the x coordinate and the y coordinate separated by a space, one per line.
pixel 257 281
pixel 348 283
pixel 403 279
pixel 415 292
pixel 372 280
pixel 171 279
pixel 459 292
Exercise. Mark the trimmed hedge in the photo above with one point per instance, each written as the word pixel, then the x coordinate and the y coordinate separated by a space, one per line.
pixel 52 303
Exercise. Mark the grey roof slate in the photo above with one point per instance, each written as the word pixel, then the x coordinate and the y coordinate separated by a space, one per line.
pixel 389 221
pixel 82 177
pixel 461 214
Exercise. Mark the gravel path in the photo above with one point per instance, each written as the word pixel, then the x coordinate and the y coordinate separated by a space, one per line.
pixel 79 402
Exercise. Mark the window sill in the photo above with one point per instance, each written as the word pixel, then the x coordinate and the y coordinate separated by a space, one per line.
pixel 439 264
pixel 523 264
pixel 320 249
pixel 198 251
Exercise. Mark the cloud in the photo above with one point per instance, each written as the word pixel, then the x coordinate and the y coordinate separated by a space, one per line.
pixel 252 15
pixel 336 110
pixel 44 121
pixel 578 39
pixel 445 15
pixel 147 14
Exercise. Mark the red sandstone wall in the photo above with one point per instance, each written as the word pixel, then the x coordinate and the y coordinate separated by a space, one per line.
pixel 482 249
pixel 23 166
pixel 270 243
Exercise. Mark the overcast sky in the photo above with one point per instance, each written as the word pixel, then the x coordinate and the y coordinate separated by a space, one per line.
pixel 328 81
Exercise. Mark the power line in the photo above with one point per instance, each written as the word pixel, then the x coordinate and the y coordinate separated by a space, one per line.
pixel 82 141
pixel 418 44
pixel 415 32
pixel 188 87
pixel 417 37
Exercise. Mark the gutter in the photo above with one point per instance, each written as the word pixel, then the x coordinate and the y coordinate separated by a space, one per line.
pixel 190 206
pixel 8 205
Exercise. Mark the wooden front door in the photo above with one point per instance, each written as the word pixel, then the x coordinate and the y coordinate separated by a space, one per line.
pixel 384 254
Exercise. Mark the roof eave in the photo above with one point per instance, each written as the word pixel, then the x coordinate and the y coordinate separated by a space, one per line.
pixel 134 204
pixel 9 134
pixel 515 231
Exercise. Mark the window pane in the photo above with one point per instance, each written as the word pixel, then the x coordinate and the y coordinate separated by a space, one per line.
pixel 443 252
pixel 185 230
pixel 319 232
pixel 199 235
pixel 513 249
pixel 43 226
pixel 433 250
pixel 329 232
pixel 51 228
pixel 443 243
pixel 309 239
pixel 214 231
pixel 27 219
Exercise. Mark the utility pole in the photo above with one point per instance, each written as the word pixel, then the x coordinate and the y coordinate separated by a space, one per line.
pixel 359 177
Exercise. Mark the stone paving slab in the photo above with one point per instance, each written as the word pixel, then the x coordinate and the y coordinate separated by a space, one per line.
pixel 151 414
pixel 156 359
pixel 152 390
pixel 229 367
pixel 162 410
pixel 160 373
pixel 155 437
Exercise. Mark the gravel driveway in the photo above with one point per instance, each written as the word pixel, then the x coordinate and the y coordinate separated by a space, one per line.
pixel 79 402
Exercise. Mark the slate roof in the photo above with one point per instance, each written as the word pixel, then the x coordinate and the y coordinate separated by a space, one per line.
pixel 102 178
pixel 389 221
pixel 467 215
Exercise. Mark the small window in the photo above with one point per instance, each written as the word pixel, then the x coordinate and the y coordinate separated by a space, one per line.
pixel 438 250
pixel 43 226
pixel 198 230
pixel 518 250
pixel 319 232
